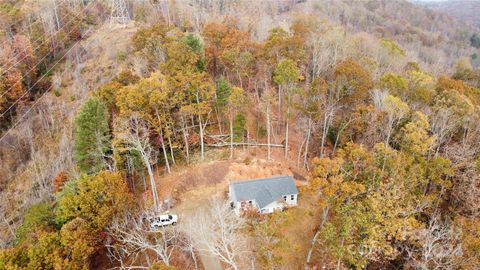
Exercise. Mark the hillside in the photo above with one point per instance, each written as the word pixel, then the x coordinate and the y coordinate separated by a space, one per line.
pixel 113 117
pixel 434 38
pixel 466 11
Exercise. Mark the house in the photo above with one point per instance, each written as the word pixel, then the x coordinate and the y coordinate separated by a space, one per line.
pixel 264 195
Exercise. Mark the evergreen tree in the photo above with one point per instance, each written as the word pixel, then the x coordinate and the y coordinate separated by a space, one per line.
pixel 475 40
pixel 92 136
pixel 222 94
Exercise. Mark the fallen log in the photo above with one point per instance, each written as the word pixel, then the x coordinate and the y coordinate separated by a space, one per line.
pixel 244 144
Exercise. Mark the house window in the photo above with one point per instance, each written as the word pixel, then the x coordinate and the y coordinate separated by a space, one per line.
pixel 292 197
pixel 285 198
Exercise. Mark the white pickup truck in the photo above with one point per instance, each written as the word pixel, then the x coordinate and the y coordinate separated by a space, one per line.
pixel 163 220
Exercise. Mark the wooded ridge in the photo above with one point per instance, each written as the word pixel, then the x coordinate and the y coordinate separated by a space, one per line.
pixel 114 112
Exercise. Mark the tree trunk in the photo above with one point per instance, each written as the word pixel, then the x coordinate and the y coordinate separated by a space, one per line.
pixel 153 185
pixel 279 109
pixel 167 164
pixel 217 112
pixel 248 140
pixel 310 251
pixel 309 131
pixel 55 11
pixel 286 132
pixel 339 260
pixel 268 130
pixel 259 104
pixel 202 155
pixel 387 142
pixel 231 135
pixel 171 149
pixel 315 237
pixel 324 132
pixel 300 149
pixel 338 136
pixel 194 258
pixel 185 139
pixel 10 229
pixel 148 260
pixel 200 124
pixel 240 79
pixel 389 133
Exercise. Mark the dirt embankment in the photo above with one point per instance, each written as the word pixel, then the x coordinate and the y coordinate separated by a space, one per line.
pixel 190 186
pixel 219 173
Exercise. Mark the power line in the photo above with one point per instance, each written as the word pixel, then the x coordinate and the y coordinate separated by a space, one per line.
pixel 35 41
pixel 23 30
pixel 26 73
pixel 45 56
pixel 19 21
pixel 36 48
pixel 43 76
pixel 38 99
pixel 25 114
pixel 123 19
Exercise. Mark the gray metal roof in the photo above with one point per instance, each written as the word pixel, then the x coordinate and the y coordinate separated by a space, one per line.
pixel 263 190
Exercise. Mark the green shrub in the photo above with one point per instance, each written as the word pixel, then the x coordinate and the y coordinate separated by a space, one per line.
pixel 239 127
pixel 121 56
pixel 39 216
pixel 262 132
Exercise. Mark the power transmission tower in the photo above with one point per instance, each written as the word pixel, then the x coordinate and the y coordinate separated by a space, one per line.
pixel 119 12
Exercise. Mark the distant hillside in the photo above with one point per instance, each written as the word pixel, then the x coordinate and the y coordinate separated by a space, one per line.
pixel 433 37
pixel 466 10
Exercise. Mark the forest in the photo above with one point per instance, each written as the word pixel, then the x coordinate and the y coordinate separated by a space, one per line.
pixel 114 111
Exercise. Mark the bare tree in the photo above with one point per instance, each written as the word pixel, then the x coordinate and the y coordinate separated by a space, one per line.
pixel 393 107
pixel 187 244
pixel 185 136
pixel 267 102
pixel 439 247
pixel 443 123
pixel 466 190
pixel 132 238
pixel 326 50
pixel 201 128
pixel 330 104
pixel 137 140
pixel 6 226
pixel 217 231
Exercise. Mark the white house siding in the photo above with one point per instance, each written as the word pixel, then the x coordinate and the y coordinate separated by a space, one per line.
pixel 290 200
pixel 266 190
pixel 272 207
pixel 276 205
pixel 239 206
pixel 236 206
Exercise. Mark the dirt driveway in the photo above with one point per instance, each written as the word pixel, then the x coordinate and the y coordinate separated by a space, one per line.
pixel 192 187
pixel 197 200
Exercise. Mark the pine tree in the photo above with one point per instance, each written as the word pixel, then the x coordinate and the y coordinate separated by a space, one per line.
pixel 92 136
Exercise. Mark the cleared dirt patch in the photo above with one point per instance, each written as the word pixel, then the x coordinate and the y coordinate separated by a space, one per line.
pixel 192 187
pixel 187 178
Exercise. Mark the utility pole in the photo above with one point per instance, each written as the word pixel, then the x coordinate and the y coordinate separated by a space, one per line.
pixel 119 12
